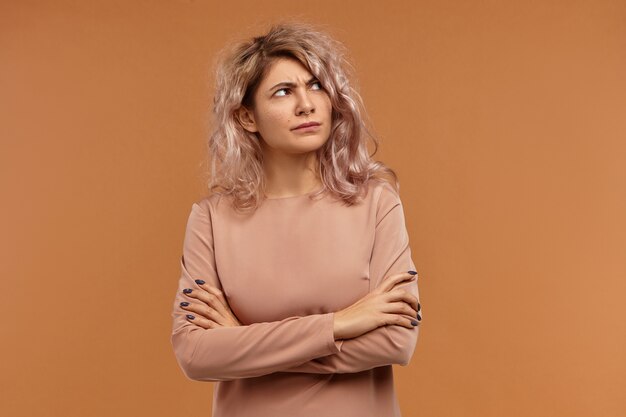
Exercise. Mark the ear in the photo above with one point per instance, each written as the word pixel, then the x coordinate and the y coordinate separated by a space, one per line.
pixel 245 117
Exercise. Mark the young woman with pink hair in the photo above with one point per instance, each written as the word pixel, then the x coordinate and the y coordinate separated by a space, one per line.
pixel 298 292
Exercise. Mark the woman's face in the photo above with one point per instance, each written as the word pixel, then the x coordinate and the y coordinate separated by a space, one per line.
pixel 287 97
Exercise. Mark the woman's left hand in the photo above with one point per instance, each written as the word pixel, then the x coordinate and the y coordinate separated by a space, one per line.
pixel 208 307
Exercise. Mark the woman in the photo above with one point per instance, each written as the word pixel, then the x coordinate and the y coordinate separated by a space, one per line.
pixel 298 292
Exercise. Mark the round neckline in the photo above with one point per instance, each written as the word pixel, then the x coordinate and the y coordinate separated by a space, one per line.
pixel 294 196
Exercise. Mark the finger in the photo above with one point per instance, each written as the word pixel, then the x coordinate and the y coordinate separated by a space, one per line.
pixel 221 305
pixel 201 321
pixel 219 296
pixel 210 306
pixel 195 293
pixel 201 309
pixel 412 319
pixel 203 295
pixel 400 320
pixel 216 292
pixel 213 297
pixel 400 307
pixel 402 295
pixel 391 281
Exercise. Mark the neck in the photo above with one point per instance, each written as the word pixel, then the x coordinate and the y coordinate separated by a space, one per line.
pixel 290 174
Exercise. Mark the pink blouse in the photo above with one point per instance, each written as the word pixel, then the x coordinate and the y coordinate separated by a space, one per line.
pixel 285 269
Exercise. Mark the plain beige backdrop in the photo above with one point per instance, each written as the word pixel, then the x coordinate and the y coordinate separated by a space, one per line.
pixel 505 120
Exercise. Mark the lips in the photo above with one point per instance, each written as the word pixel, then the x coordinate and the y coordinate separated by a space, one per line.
pixel 308 124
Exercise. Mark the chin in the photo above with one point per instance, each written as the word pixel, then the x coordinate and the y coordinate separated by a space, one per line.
pixel 305 146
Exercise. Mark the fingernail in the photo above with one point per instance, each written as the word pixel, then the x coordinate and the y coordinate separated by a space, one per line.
pixel 199 282
pixel 184 304
pixel 419 318
pixel 187 290
pixel 413 272
pixel 418 307
pixel 190 316
pixel 413 322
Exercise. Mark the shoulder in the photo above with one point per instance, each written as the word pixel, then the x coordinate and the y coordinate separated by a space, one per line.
pixel 383 194
pixel 383 199
pixel 206 206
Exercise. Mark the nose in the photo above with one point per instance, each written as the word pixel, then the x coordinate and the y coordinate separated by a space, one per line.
pixel 305 104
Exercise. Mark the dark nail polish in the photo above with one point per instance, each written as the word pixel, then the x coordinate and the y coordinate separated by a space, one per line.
pixel 419 318
pixel 199 282
pixel 413 322
pixel 187 290
pixel 184 304
pixel 413 272
pixel 418 307
pixel 190 316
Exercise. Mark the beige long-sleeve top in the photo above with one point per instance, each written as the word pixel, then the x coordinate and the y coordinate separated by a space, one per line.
pixel 285 270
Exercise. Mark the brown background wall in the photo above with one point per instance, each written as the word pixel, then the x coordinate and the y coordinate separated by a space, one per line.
pixel 505 121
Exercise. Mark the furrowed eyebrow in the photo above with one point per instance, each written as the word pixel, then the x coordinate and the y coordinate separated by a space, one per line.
pixel 292 85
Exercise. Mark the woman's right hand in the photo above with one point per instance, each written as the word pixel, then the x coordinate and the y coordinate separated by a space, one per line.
pixel 384 305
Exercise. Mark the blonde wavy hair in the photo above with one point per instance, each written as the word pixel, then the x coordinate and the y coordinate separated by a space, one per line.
pixel 234 154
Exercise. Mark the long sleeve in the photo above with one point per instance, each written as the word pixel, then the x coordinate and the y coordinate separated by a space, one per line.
pixel 228 353
pixel 385 345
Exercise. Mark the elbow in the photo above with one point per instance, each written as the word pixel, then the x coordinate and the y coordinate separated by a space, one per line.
pixel 405 353
pixel 189 368
pixel 402 354
pixel 404 342
pixel 184 344
pixel 403 357
pixel 195 373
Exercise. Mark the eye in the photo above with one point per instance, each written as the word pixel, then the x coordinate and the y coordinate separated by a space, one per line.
pixel 287 89
pixel 282 89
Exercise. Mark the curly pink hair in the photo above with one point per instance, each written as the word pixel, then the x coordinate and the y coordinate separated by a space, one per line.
pixel 344 165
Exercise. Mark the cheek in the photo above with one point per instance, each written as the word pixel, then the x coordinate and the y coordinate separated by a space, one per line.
pixel 326 104
pixel 275 119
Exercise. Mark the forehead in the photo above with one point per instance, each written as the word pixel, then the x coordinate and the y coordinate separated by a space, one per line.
pixel 285 69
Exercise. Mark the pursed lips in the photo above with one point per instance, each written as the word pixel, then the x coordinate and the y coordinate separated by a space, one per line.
pixel 308 124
